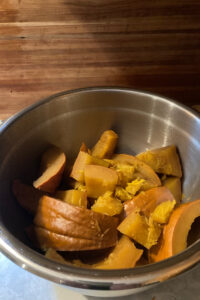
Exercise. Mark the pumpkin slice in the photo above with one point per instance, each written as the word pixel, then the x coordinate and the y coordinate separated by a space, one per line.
pixel 99 180
pixel 48 219
pixel 27 196
pixel 45 239
pixel 52 166
pixel 124 255
pixel 83 159
pixel 163 160
pixel 74 197
pixel 174 185
pixel 175 233
pixel 147 201
pixel 142 170
pixel 63 221
pixel 105 145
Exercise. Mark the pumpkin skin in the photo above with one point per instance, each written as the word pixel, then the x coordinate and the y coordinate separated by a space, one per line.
pixel 175 233
pixel 53 163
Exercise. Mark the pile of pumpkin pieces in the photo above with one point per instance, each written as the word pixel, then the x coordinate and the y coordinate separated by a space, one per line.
pixel 127 204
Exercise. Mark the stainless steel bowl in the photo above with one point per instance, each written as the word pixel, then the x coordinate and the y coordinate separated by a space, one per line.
pixel 66 119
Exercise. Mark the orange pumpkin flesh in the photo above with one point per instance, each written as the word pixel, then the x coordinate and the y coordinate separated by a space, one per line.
pixel 175 233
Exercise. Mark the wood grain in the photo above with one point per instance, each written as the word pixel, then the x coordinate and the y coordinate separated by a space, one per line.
pixel 55 45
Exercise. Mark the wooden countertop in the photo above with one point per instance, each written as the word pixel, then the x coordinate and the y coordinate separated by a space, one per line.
pixel 47 46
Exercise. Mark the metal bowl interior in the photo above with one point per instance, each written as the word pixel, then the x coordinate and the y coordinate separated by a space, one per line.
pixel 142 120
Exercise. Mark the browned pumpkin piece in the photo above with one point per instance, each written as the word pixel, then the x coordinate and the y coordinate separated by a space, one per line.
pixel 145 232
pixel 75 222
pixel 105 145
pixel 124 255
pixel 74 197
pixel 52 167
pixel 99 180
pixel 163 160
pixel 147 201
pixel 83 159
pixel 142 170
pixel 174 185
pixel 45 239
pixel 175 232
pixel 27 196
pixel 48 219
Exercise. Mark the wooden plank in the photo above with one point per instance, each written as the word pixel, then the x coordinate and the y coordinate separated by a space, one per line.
pixel 54 45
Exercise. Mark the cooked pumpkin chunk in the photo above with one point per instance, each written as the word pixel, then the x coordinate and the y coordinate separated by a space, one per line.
pixel 124 255
pixel 140 229
pixel 163 211
pixel 122 194
pixel 105 145
pixel 52 167
pixel 108 205
pixel 163 160
pixel 99 180
pixel 134 186
pixel 83 159
pixel 74 197
pixel 125 173
pixel 174 185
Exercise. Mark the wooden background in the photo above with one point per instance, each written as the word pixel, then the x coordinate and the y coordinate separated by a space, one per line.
pixel 47 46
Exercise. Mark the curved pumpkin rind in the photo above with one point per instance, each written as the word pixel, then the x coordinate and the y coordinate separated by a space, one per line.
pixel 175 233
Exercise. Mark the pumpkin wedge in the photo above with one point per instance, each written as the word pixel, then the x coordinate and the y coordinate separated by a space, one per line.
pixel 163 160
pixel 124 255
pixel 83 159
pixel 105 145
pixel 27 196
pixel 52 167
pixel 99 180
pixel 71 226
pixel 175 233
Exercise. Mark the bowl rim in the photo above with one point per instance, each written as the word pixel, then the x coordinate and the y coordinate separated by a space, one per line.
pixel 84 278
